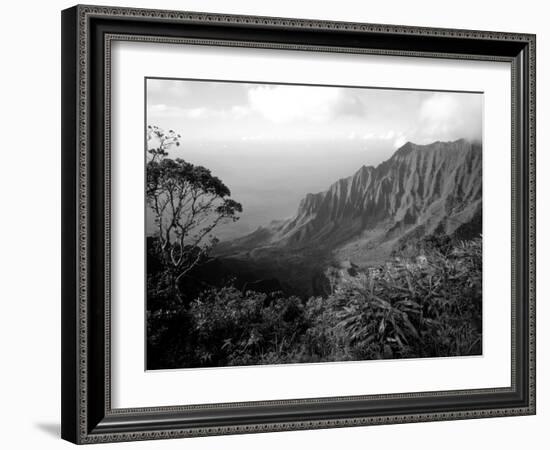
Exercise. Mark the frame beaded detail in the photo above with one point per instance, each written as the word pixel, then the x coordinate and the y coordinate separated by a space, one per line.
pixel 84 15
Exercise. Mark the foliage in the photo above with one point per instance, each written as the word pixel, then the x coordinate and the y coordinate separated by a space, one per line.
pixel 425 302
pixel 159 142
pixel 430 307
pixel 187 202
pixel 409 307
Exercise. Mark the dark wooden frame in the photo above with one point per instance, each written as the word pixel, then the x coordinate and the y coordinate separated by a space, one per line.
pixel 87 32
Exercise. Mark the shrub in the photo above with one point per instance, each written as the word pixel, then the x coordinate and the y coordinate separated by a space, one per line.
pixel 428 306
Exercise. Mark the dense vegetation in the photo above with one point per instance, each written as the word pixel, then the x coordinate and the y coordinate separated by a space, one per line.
pixel 425 302
pixel 410 307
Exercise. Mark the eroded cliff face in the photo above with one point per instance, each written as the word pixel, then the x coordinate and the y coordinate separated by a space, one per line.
pixel 420 189
pixel 419 184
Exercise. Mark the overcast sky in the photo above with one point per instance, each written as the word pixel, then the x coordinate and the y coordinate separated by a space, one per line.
pixel 272 144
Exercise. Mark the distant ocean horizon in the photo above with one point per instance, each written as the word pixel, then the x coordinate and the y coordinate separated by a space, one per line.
pixel 271 178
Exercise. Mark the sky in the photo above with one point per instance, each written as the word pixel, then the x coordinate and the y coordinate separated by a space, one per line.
pixel 271 144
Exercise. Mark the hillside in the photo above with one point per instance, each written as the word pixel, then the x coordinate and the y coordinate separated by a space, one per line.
pixel 421 189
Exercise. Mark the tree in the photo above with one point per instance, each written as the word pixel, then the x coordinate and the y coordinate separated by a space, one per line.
pixel 158 142
pixel 188 203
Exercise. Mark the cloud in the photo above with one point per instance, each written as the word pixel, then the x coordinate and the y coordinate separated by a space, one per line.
pixel 199 113
pixel 369 135
pixel 285 104
pixel 387 136
pixel 158 108
pixel 238 111
pixel 167 91
pixel 396 138
pixel 450 116
pixel 399 141
pixel 246 111
pixel 349 105
pixel 163 110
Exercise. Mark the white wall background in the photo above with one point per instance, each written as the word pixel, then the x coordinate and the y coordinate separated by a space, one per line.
pixel 30 223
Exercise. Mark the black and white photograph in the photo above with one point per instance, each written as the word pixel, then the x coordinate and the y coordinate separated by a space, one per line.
pixel 311 224
pixel 275 225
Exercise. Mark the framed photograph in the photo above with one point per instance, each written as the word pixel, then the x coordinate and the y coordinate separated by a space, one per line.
pixel 278 224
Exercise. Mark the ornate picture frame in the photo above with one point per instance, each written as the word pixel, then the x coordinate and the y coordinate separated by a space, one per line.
pixel 88 33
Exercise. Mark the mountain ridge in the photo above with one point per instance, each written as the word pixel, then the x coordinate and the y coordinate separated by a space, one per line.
pixel 419 189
